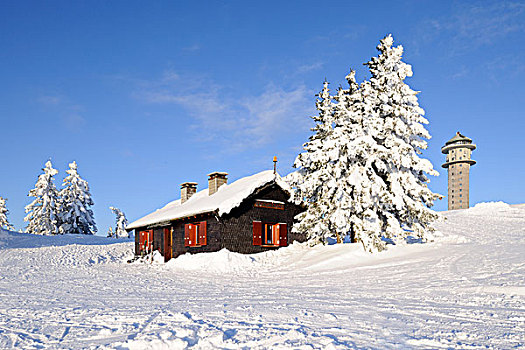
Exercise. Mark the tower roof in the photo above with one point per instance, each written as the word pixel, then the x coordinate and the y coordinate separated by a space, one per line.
pixel 458 137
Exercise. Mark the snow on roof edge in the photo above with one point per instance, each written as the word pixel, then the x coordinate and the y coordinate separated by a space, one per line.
pixel 227 197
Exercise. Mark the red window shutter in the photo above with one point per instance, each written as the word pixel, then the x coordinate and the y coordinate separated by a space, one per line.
pixel 202 233
pixel 257 233
pixel 187 235
pixel 142 240
pixel 283 235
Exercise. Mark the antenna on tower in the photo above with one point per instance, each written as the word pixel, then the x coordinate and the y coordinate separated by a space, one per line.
pixel 275 164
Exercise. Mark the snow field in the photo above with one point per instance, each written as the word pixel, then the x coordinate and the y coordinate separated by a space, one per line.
pixel 465 291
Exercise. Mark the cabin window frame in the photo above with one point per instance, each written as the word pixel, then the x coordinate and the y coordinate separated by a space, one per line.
pixel 274 234
pixel 279 232
pixel 197 230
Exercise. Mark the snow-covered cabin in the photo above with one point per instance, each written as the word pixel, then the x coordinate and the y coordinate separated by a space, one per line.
pixel 250 215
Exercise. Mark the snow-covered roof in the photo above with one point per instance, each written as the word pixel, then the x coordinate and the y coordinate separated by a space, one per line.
pixel 227 197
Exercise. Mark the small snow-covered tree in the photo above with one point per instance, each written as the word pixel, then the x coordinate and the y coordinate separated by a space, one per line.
pixel 4 222
pixel 42 214
pixel 392 116
pixel 75 202
pixel 121 223
pixel 111 233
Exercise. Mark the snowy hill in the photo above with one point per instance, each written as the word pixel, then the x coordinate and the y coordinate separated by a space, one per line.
pixel 465 290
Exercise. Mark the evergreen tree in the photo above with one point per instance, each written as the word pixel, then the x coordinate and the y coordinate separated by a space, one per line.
pixel 75 202
pixel 361 173
pixel 111 233
pixel 121 223
pixel 42 215
pixel 356 183
pixel 4 222
pixel 392 116
pixel 313 182
pixel 335 172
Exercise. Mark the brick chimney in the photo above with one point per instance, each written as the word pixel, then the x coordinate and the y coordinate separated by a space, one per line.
pixel 187 190
pixel 216 180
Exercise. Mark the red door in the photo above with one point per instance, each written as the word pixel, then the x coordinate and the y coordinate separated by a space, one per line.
pixel 168 244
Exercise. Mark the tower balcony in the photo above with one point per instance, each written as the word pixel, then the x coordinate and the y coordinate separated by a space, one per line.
pixel 445 149
pixel 468 161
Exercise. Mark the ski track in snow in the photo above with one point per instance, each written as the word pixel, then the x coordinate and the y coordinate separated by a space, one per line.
pixel 466 290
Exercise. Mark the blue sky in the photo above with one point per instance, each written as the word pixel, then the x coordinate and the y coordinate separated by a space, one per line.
pixel 147 95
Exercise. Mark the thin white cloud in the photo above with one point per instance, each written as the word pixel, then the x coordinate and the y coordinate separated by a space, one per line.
pixel 69 113
pixel 191 48
pixel 50 100
pixel 74 122
pixel 471 26
pixel 252 120
pixel 305 68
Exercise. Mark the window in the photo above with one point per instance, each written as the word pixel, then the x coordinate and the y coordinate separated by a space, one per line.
pixel 461 172
pixel 461 195
pixel 460 190
pixel 460 184
pixel 270 234
pixel 195 234
pixel 461 164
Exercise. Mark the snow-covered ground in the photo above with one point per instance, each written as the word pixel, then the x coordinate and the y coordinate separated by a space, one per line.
pixel 465 290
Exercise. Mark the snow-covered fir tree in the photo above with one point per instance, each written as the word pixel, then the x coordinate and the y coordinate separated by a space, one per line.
pixel 314 181
pixel 334 176
pixel 42 215
pixel 361 173
pixel 4 222
pixel 400 204
pixel 111 233
pixel 75 203
pixel 121 223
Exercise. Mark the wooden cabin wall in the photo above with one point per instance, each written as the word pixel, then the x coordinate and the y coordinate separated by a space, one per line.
pixel 158 239
pixel 237 227
pixel 212 231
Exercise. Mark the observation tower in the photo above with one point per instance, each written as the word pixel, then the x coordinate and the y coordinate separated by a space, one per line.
pixel 458 150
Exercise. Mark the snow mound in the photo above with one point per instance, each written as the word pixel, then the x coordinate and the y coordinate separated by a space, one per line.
pixel 298 256
pixel 222 261
pixel 13 239
pixel 63 250
pixel 490 206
